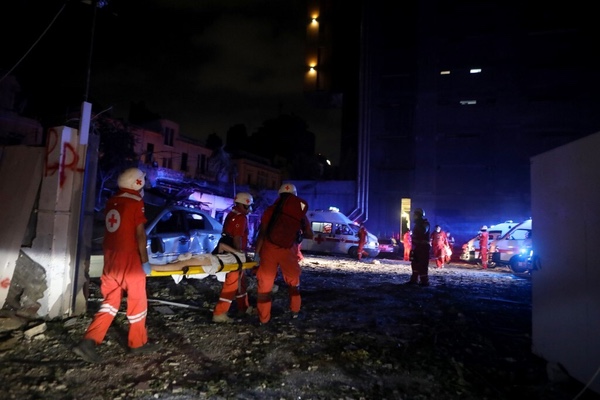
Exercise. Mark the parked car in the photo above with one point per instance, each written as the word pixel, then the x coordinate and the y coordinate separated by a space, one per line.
pixel 389 247
pixel 171 231
pixel 514 248
pixel 470 250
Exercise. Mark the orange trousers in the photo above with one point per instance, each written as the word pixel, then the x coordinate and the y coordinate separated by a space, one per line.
pixel 122 273
pixel 230 291
pixel 272 258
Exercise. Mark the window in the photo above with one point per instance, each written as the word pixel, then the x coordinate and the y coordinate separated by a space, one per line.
pixel 322 227
pixel 196 222
pixel 167 162
pixel 184 162
pixel 202 163
pixel 149 153
pixel 169 223
pixel 169 134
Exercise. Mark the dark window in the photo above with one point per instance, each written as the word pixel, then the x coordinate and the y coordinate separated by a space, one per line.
pixel 196 222
pixel 149 153
pixel 184 161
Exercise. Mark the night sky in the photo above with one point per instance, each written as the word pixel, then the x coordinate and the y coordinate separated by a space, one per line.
pixel 207 65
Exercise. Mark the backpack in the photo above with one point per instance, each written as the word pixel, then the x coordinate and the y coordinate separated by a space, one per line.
pixel 287 220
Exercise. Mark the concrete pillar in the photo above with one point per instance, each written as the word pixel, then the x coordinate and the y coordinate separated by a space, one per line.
pixel 55 246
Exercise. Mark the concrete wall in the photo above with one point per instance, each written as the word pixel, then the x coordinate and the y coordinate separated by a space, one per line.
pixel 565 187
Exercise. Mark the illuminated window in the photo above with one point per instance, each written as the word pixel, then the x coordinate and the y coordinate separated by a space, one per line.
pixel 468 102
pixel 475 71
pixel 446 72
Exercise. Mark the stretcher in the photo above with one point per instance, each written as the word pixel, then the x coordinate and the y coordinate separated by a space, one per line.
pixel 202 265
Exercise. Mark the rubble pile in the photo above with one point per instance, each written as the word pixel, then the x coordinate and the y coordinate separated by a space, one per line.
pixel 362 334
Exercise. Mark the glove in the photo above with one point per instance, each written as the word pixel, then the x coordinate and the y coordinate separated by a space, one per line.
pixel 147 268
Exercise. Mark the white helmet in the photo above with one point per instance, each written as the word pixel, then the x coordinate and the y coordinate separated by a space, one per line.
pixel 484 228
pixel 244 198
pixel 132 178
pixel 288 188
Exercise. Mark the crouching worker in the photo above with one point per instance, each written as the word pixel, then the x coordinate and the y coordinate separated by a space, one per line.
pixel 125 269
pixel 278 235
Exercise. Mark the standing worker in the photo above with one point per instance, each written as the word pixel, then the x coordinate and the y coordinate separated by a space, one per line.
pixel 125 268
pixel 407 242
pixel 235 234
pixel 439 244
pixel 483 246
pixel 450 246
pixel 278 234
pixel 420 249
pixel 362 239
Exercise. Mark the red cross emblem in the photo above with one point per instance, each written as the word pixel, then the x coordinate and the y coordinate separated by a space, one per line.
pixel 113 220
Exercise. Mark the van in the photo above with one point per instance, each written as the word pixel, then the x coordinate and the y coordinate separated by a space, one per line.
pixel 335 233
pixel 470 250
pixel 509 248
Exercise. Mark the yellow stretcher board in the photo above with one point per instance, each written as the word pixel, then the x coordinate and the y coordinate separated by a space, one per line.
pixel 202 265
pixel 202 269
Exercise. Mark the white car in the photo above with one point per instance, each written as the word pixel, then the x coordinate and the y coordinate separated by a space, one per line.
pixel 172 231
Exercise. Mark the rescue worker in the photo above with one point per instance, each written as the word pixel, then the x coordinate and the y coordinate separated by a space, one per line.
pixel 420 250
pixel 439 244
pixel 235 234
pixel 362 240
pixel 483 246
pixel 280 224
pixel 451 242
pixel 407 242
pixel 125 268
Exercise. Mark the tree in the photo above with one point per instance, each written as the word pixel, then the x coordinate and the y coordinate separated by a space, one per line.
pixel 115 152
pixel 219 162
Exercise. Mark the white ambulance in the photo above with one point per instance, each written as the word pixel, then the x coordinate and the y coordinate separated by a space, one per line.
pixel 470 250
pixel 335 233
pixel 510 248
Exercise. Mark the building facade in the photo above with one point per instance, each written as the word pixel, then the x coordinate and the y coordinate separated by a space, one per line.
pixel 453 99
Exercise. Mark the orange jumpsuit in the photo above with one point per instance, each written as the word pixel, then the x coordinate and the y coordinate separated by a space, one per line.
pixel 362 239
pixel 483 248
pixel 407 242
pixel 236 283
pixel 272 257
pixel 439 242
pixel 122 270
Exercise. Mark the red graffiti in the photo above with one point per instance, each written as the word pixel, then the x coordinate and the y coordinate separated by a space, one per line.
pixel 5 283
pixel 69 159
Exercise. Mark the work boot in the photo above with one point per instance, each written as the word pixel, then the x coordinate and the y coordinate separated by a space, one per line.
pixel 247 312
pixel 222 318
pixel 414 279
pixel 86 349
pixel 424 280
pixel 145 349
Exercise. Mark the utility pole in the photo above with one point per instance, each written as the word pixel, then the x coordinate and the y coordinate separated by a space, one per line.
pixel 95 6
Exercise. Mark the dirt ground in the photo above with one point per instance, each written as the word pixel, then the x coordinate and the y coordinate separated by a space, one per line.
pixel 362 334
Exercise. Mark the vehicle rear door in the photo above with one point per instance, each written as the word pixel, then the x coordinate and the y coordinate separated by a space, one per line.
pixel 168 237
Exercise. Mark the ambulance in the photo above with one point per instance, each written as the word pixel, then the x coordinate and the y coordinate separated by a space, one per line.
pixel 335 233
pixel 511 248
pixel 470 250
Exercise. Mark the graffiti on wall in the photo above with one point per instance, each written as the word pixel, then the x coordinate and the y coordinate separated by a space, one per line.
pixel 63 161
